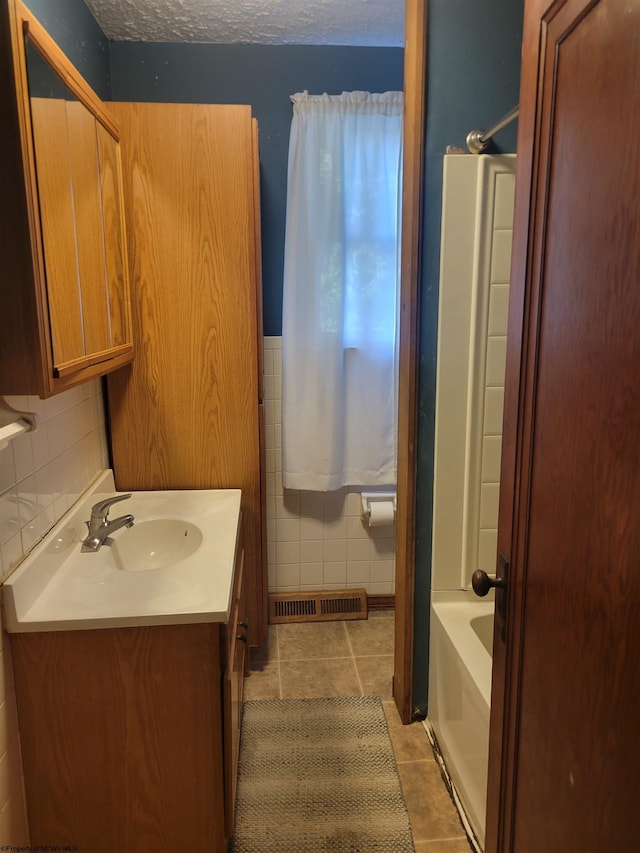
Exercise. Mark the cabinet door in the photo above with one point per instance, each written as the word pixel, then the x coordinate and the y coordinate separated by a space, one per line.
pixel 77 176
pixel 85 179
pixel 114 238
pixel 49 118
pixel 125 752
pixel 66 318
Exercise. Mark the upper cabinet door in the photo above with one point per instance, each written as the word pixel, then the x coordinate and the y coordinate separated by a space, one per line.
pixel 65 316
pixel 114 238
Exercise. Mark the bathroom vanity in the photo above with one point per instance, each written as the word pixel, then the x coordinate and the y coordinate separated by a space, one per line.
pixel 129 666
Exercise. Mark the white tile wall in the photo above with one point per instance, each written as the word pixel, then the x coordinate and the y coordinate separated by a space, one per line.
pixel 477 217
pixel 495 368
pixel 41 475
pixel 316 540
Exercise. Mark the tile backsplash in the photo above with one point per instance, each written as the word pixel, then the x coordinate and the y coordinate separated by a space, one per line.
pixel 316 540
pixel 42 474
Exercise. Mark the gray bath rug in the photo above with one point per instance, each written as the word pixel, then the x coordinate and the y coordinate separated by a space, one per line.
pixel 318 775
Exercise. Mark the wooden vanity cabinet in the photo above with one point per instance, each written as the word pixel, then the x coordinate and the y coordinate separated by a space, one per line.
pixel 235 661
pixel 130 736
pixel 65 312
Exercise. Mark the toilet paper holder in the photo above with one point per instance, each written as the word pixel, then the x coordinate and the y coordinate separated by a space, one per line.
pixel 368 498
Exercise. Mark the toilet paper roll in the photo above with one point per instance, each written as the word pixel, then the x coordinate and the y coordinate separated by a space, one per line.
pixel 381 513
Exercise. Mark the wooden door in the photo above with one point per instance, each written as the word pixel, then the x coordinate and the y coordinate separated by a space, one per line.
pixel 565 738
pixel 185 414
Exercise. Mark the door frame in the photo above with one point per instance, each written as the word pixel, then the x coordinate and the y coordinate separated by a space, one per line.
pixel 415 56
pixel 503 687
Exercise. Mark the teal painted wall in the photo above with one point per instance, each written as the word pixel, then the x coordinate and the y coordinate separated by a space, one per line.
pixel 73 27
pixel 473 64
pixel 263 76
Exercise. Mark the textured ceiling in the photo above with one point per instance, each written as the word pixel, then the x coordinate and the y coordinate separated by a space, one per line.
pixel 338 22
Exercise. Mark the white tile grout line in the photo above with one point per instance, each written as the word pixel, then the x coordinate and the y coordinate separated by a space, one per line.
pixel 416 761
pixel 279 669
pixel 314 660
pixel 353 658
pixel 334 657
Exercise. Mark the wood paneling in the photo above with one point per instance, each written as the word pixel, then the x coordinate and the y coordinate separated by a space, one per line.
pixel 262 591
pixel 122 738
pixel 185 415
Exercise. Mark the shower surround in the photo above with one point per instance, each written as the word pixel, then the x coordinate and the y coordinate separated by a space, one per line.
pixel 477 223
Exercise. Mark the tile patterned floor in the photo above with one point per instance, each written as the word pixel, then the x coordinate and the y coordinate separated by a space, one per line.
pixel 355 658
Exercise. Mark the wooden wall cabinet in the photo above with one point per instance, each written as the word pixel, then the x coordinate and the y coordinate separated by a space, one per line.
pixel 130 736
pixel 65 315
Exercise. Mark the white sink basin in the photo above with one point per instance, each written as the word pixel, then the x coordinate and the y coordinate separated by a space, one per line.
pixel 155 544
pixel 174 566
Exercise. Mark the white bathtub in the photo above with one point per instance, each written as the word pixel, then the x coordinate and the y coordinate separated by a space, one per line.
pixel 460 697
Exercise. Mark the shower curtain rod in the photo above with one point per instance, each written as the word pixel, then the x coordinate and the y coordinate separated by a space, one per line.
pixel 477 140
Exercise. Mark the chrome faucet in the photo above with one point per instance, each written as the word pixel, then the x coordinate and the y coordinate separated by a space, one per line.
pixel 99 525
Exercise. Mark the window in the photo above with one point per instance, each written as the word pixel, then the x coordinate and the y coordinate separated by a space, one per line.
pixel 340 291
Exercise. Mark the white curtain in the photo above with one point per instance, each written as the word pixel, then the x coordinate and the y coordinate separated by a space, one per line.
pixel 340 300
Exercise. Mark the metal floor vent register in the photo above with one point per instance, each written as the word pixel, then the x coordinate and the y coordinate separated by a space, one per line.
pixel 317 606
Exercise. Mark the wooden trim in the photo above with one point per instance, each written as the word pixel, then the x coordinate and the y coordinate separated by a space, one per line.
pixel 20 216
pixel 258 254
pixel 128 311
pixel 68 73
pixel 413 158
pixel 232 692
pixel 381 602
pixel 263 518
pixel 90 371
pixel 502 737
pixel 261 635
pixel 63 370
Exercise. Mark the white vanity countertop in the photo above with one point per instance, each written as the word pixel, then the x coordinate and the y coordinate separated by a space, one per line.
pixel 59 588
